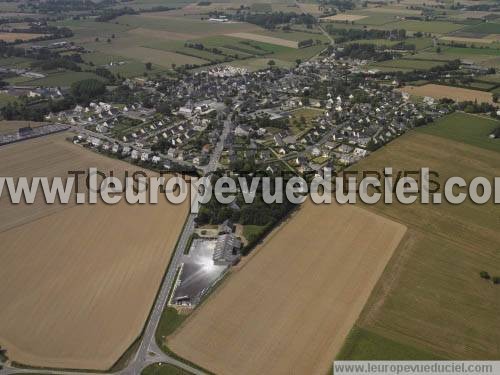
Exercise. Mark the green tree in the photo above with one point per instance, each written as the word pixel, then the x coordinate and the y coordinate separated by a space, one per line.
pixel 87 89
pixel 484 275
pixel 149 66
pixel 271 63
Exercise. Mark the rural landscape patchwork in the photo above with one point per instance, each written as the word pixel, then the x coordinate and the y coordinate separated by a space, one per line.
pixel 101 98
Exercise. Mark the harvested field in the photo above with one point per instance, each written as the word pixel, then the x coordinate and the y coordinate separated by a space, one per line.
pixel 344 17
pixel 77 282
pixel 455 93
pixel 11 37
pixel 266 39
pixel 290 306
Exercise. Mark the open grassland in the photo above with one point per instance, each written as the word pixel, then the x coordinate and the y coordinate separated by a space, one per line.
pixel 430 301
pixel 362 344
pixel 456 93
pixel 12 37
pixel 289 308
pixel 467 40
pixel 296 36
pixel 484 28
pixel 255 64
pixel 470 129
pixel 435 27
pixel 408 64
pixel 77 282
pixel 60 79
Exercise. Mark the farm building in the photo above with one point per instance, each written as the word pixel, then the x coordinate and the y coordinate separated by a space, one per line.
pixel 227 250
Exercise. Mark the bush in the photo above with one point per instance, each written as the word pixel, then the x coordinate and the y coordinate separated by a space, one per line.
pixel 484 275
pixel 496 280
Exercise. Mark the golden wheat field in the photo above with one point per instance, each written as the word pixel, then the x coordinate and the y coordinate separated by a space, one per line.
pixel 455 93
pixel 290 307
pixel 77 282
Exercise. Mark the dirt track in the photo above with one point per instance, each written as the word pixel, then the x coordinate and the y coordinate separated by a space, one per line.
pixel 290 307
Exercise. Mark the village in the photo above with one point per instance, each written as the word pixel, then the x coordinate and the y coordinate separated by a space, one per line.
pixel 281 119
pixel 300 120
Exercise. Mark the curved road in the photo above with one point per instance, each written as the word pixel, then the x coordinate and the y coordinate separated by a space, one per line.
pixel 148 351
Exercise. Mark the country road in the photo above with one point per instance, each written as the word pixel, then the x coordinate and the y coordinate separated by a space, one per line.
pixel 148 351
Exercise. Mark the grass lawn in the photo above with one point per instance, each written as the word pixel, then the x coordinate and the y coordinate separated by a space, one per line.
pixel 169 322
pixel 362 344
pixel 465 128
pixel 251 232
pixel 164 369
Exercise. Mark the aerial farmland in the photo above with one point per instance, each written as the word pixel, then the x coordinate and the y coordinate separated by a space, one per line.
pixel 98 267
pixel 307 283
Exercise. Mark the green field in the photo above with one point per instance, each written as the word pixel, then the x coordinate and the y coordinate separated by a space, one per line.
pixel 408 64
pixel 362 345
pixel 484 28
pixel 293 35
pixel 62 79
pixel 169 322
pixel 430 298
pixel 482 85
pixel 460 51
pixel 465 128
pixel 436 27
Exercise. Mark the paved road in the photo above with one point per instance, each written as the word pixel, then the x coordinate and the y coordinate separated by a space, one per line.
pixel 332 41
pixel 148 351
